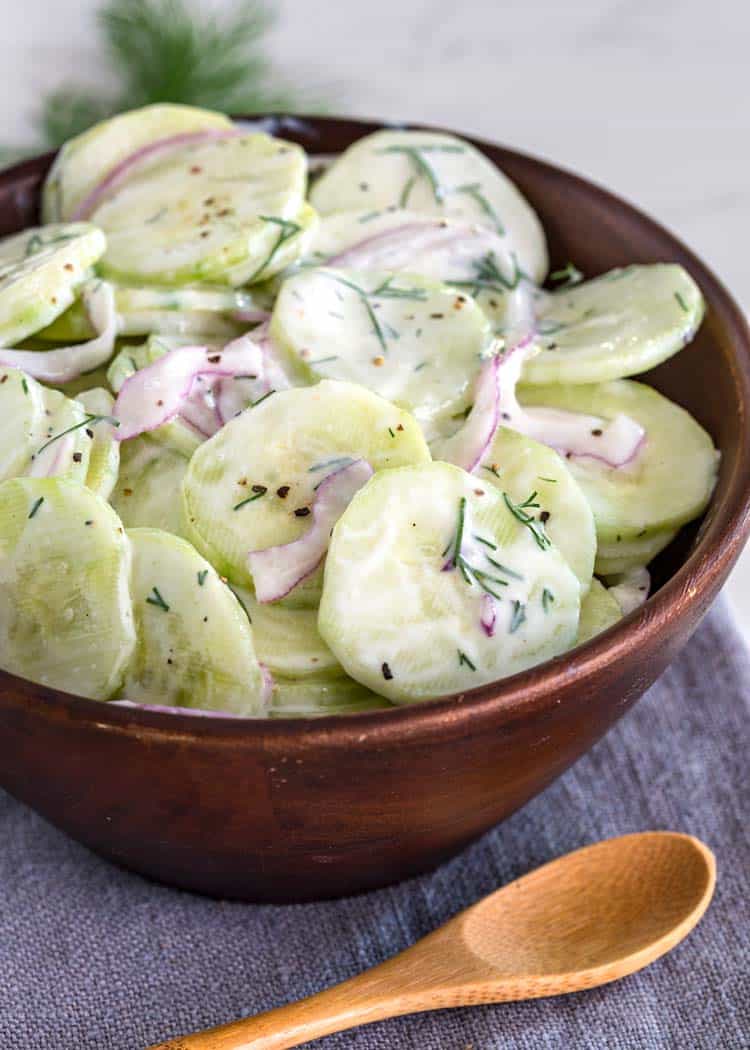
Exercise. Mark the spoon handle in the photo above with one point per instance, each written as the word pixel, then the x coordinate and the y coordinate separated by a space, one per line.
pixel 421 978
pixel 344 1006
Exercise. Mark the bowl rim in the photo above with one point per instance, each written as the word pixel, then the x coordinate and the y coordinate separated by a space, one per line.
pixel 725 529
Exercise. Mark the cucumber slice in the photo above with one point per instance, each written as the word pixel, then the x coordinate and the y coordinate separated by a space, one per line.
pixel 195 645
pixel 86 159
pixel 671 479
pixel 287 641
pixel 625 322
pixel 409 628
pixel 23 421
pixel 433 173
pixel 104 458
pixel 74 325
pixel 339 231
pixel 148 489
pixel 413 341
pixel 615 558
pixel 519 465
pixel 67 439
pixel 191 310
pixel 316 698
pixel 65 613
pixel 599 610
pixel 229 210
pixel 285 446
pixel 41 271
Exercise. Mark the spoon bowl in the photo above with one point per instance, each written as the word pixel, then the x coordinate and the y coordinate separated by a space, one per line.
pixel 583 920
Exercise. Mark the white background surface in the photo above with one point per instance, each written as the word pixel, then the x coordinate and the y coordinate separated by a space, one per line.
pixel 649 97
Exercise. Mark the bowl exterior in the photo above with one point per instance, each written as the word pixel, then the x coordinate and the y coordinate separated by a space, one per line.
pixel 301 810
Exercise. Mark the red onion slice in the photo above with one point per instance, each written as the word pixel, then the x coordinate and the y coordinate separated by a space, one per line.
pixel 439 248
pixel 70 362
pixel 615 442
pixel 278 570
pixel 488 615
pixel 117 175
pixel 155 395
pixel 467 447
pixel 498 375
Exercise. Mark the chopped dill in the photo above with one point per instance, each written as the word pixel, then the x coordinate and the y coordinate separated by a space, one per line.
pixel 520 512
pixel 464 659
pixel 518 616
pixel 156 599
pixel 36 507
pixel 87 421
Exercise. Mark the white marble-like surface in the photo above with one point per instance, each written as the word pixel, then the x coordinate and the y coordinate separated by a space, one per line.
pixel 648 97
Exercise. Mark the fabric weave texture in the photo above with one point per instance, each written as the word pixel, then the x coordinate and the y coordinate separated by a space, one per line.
pixel 94 958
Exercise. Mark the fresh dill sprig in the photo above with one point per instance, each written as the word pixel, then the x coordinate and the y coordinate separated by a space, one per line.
pixel 464 659
pixel 566 277
pixel 489 277
pixel 88 421
pixel 175 51
pixel 535 527
pixel 287 230
pixel 36 506
pixel 517 616
pixel 422 167
pixel 474 190
pixel 156 599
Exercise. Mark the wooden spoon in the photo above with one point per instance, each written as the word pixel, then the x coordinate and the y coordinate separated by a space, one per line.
pixel 582 920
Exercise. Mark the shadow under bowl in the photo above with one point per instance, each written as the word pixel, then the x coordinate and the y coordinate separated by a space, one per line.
pixel 297 810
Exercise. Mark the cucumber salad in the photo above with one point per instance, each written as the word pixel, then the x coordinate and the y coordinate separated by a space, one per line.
pixel 274 445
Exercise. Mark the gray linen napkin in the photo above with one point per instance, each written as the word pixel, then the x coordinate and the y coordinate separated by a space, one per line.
pixel 93 958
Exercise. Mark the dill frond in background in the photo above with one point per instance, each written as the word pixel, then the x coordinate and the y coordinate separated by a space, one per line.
pixel 172 51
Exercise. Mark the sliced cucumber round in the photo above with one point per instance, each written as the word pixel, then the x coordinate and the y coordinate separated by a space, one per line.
pixel 23 421
pixel 614 558
pixel 74 325
pixel 599 610
pixel 147 492
pixel 434 173
pixel 668 483
pixel 85 160
pixel 434 584
pixel 251 485
pixel 229 210
pixel 66 442
pixel 527 470
pixel 195 645
pixel 41 271
pixel 318 697
pixel 104 458
pixel 191 310
pixel 65 613
pixel 413 341
pixel 617 325
pixel 287 641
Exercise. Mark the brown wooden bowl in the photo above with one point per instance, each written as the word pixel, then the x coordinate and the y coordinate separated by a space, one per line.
pixel 300 809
